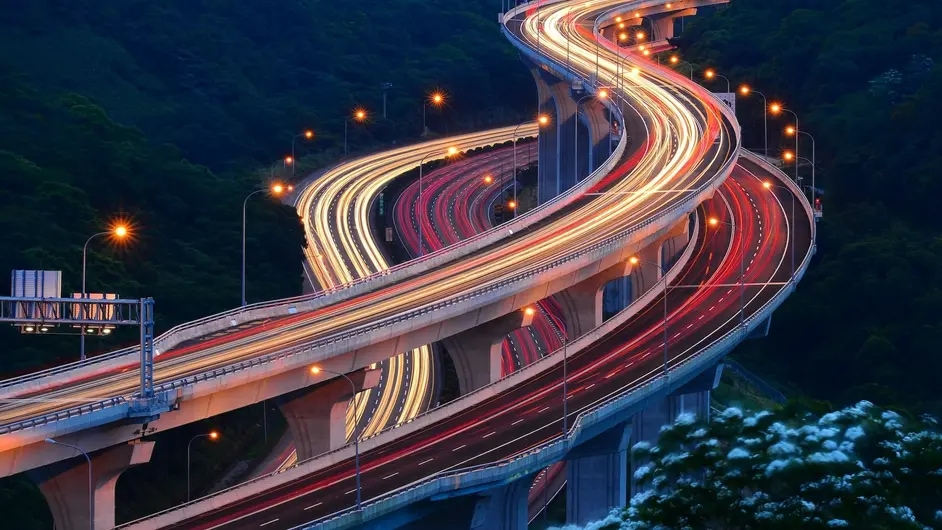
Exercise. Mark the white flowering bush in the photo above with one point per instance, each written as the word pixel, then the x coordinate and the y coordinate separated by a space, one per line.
pixel 859 468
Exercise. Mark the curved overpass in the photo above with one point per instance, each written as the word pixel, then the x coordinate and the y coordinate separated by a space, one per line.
pixel 677 170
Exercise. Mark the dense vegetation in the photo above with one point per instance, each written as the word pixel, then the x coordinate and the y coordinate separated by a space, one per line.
pixel 160 113
pixel 862 75
pixel 860 467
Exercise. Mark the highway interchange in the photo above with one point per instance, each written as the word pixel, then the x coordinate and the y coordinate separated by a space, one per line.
pixel 687 142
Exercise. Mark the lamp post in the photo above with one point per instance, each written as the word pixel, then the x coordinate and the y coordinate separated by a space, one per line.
pixel 212 435
pixel 768 185
pixel 677 60
pixel 634 261
pixel 711 74
pixel 541 120
pixel 742 266
pixel 602 94
pixel 777 108
pixel 308 134
pixel 91 490
pixel 359 115
pixel 435 98
pixel 746 90
pixel 119 231
pixel 796 131
pixel 418 218
pixel 276 190
pixel 356 437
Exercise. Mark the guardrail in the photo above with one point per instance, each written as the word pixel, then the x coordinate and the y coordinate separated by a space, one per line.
pixel 434 259
pixel 439 413
pixel 554 450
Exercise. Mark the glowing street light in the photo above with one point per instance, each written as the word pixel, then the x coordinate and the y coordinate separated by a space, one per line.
pixel 307 135
pixel 437 99
pixel 359 116
pixel 118 232
pixel 745 90
pixel 356 436
pixel 212 435
pixel 512 204
pixel 711 74
pixel 794 131
pixel 488 179
pixel 275 189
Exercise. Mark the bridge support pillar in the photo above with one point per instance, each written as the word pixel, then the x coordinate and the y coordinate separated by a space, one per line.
pixel 692 398
pixel 581 304
pixel 762 330
pixel 316 416
pixel 566 150
pixel 65 484
pixel 599 141
pixel 597 476
pixel 476 352
pixel 547 144
pixel 503 507
pixel 664 25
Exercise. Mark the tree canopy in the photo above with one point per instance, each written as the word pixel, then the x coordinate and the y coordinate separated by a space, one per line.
pixel 860 467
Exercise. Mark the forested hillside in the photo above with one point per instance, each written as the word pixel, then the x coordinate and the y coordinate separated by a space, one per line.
pixel 229 82
pixel 863 75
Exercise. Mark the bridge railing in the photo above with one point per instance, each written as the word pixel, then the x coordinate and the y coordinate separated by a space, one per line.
pixel 554 450
pixel 294 305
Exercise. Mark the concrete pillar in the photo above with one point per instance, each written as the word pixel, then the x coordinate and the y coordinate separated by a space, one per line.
pixel 581 304
pixel 565 125
pixel 597 476
pixel 476 352
pixel 693 397
pixel 65 484
pixel 503 507
pixel 599 134
pixel 664 25
pixel 316 416
pixel 547 146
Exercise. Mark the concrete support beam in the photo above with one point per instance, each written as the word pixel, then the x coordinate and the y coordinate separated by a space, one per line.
pixel 316 416
pixel 477 351
pixel 565 124
pixel 762 330
pixel 664 25
pixel 597 476
pixel 547 144
pixel 600 144
pixel 581 304
pixel 503 507
pixel 693 398
pixel 65 484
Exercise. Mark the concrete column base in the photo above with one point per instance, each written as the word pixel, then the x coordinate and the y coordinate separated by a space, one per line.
pixel 503 507
pixel 477 352
pixel 65 484
pixel 581 304
pixel 316 416
pixel 597 476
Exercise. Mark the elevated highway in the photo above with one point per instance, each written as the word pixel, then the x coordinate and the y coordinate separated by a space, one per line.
pixel 690 149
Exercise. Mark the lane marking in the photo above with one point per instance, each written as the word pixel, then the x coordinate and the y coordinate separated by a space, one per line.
pixel 391 476
pixel 491 434
pixel 313 506
pixel 269 522
pixel 426 461
pixel 456 448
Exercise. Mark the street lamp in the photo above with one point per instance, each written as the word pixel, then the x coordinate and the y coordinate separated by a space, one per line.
pixel 307 135
pixel 768 185
pixel 436 98
pixel 795 131
pixel 276 190
pixel 356 437
pixel 488 180
pixel 634 261
pixel 359 115
pixel 118 232
pixel 711 74
pixel 601 94
pixel 91 490
pixel 212 435
pixel 452 151
pixel 541 120
pixel 677 60
pixel 745 90
pixel 742 265
pixel 777 108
